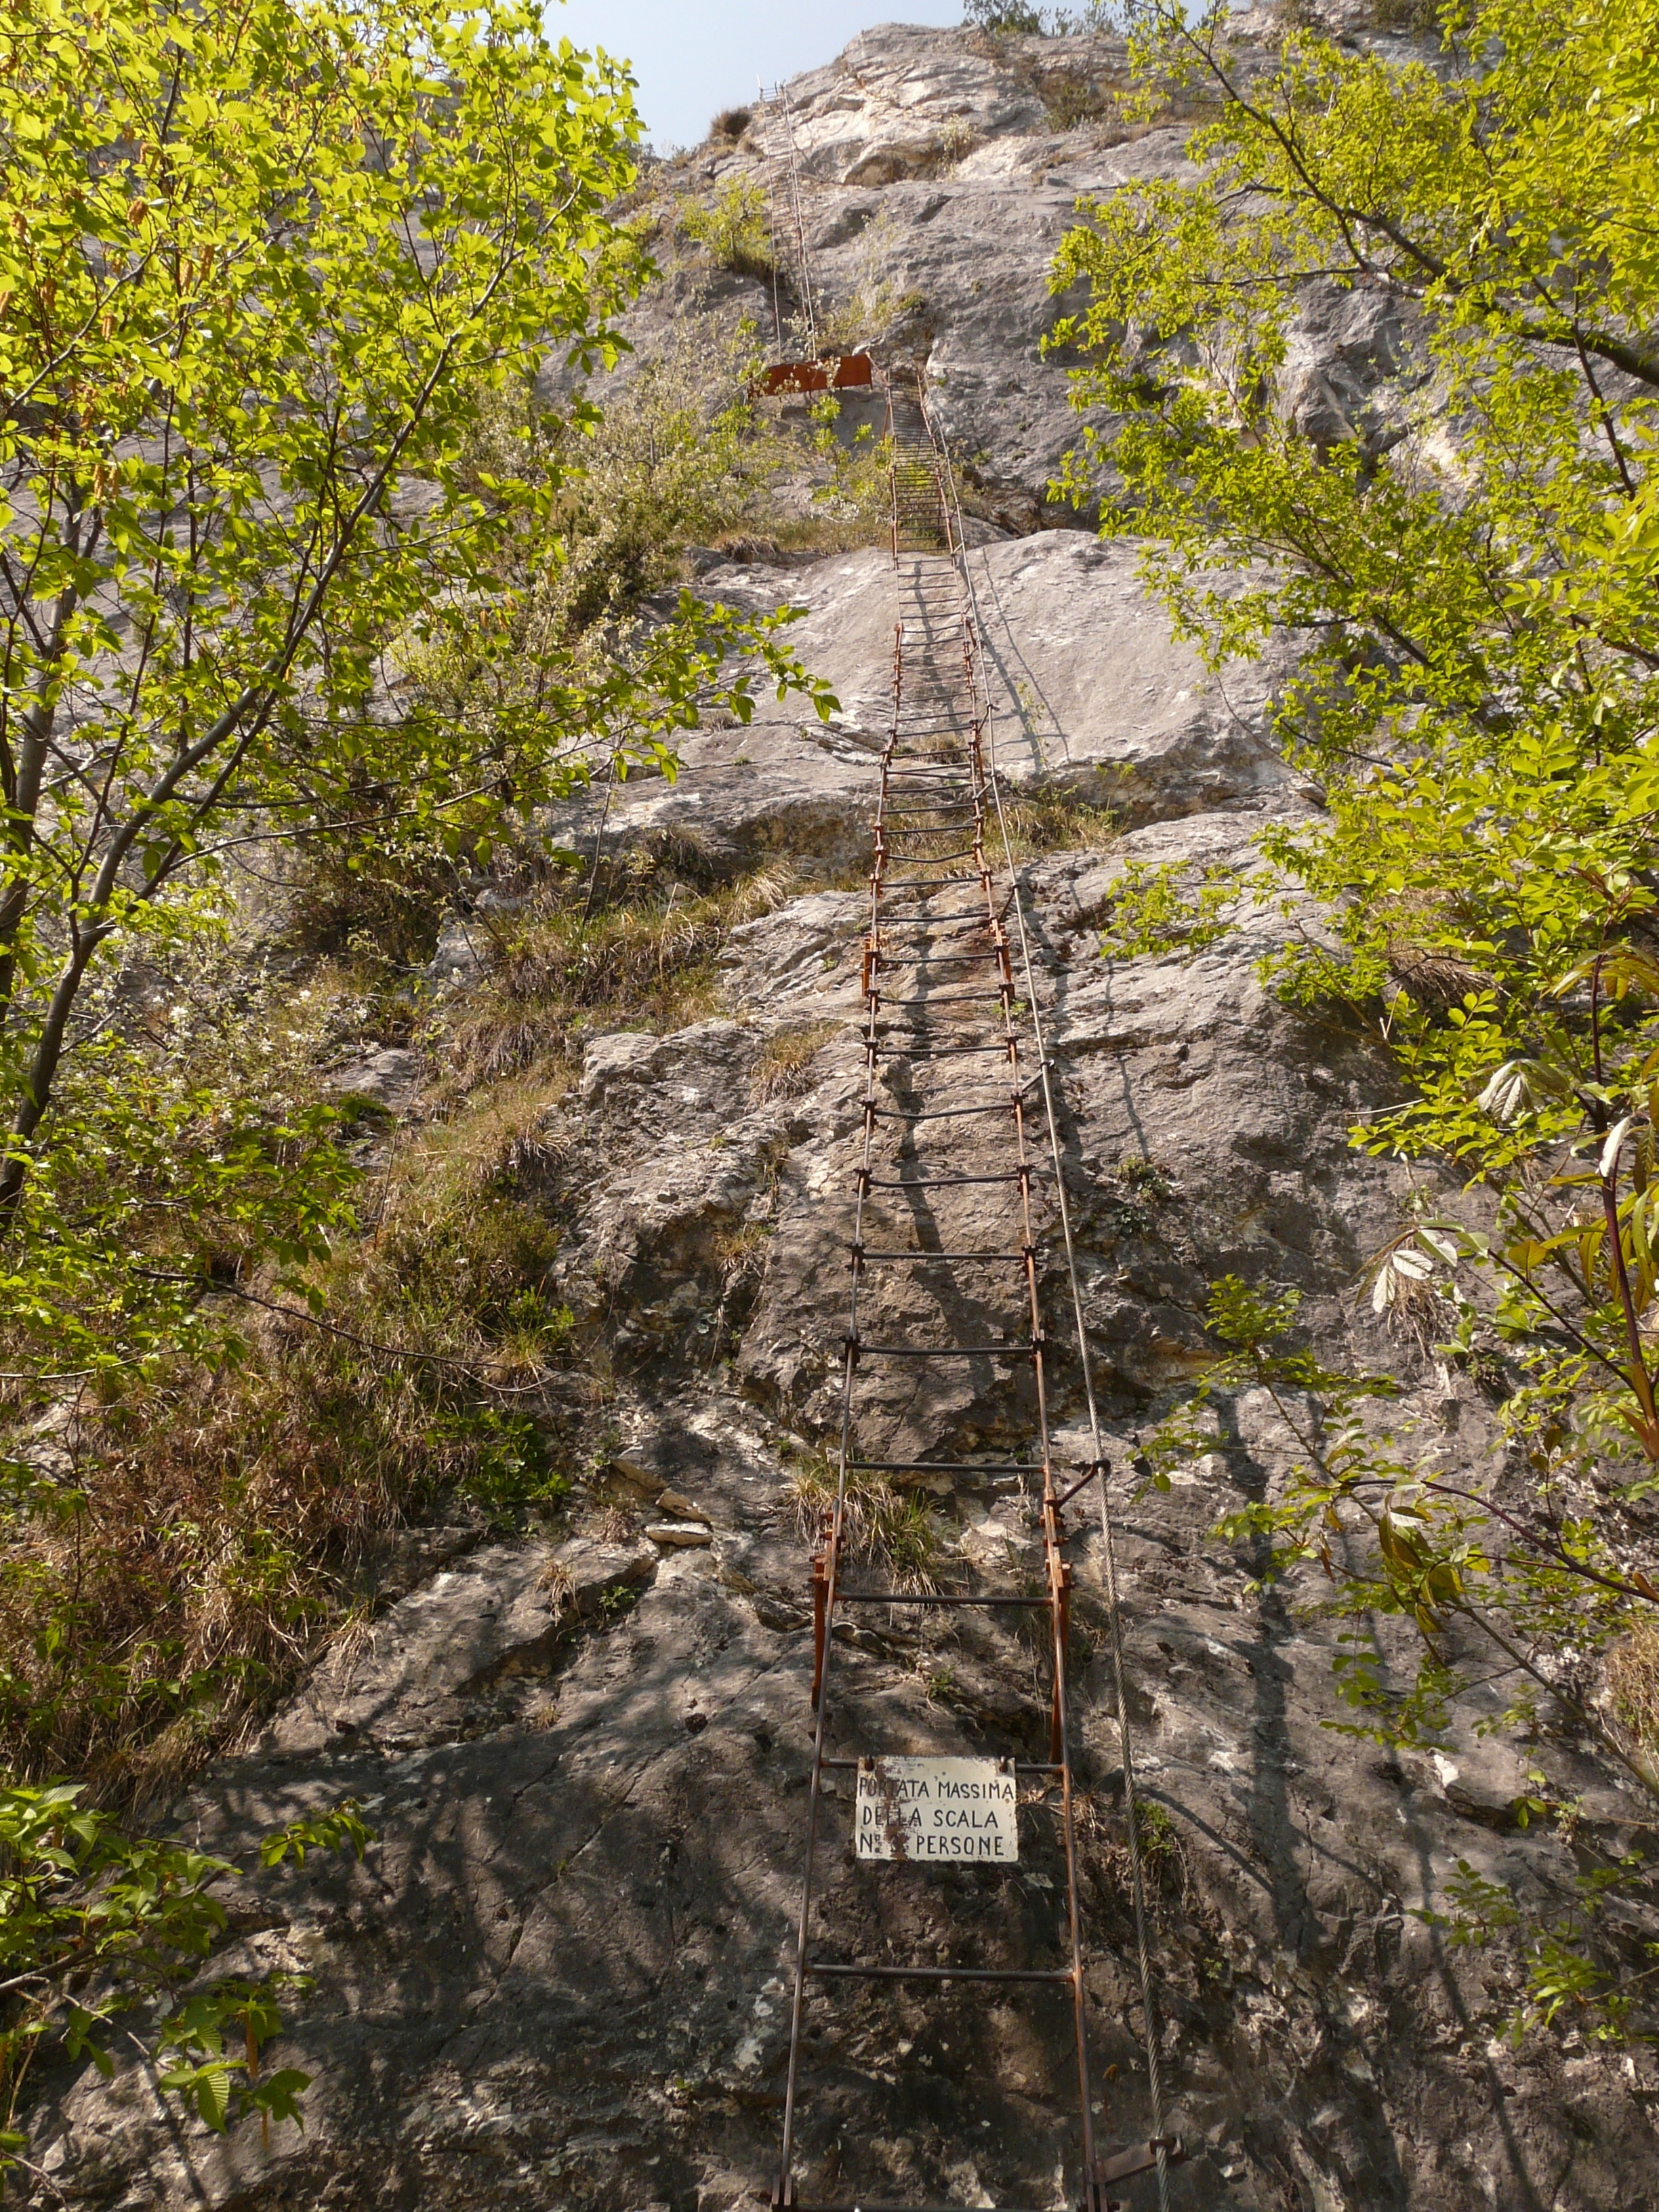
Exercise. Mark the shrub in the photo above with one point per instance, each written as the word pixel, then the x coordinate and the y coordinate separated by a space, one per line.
pixel 732 228
pixel 96 1924
pixel 1010 18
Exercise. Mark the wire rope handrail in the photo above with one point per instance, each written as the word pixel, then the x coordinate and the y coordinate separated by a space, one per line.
pixel 782 159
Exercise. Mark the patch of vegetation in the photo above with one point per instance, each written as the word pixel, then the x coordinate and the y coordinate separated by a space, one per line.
pixel 1145 1184
pixel 680 454
pixel 1052 817
pixel 733 226
pixel 646 954
pixel 1070 98
pixel 1470 563
pixel 1148 1177
pixel 1420 18
pixel 1163 1868
pixel 1631 1676
pixel 1015 18
pixel 783 1068
pixel 185 1530
pixel 894 1529
pixel 1174 906
pixel 97 1927
pixel 879 306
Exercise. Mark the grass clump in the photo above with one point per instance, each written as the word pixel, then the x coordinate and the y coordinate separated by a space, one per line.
pixel 1051 818
pixel 647 956
pixel 882 1525
pixel 1632 1674
pixel 784 1067
pixel 1070 98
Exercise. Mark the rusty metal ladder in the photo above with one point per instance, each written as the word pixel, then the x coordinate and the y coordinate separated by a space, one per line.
pixel 950 998
pixel 786 215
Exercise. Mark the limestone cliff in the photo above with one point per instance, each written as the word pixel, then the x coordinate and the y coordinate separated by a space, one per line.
pixel 557 1980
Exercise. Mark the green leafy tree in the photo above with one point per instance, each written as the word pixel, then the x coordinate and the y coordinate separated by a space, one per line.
pixel 104 1936
pixel 1463 538
pixel 264 267
pixel 732 226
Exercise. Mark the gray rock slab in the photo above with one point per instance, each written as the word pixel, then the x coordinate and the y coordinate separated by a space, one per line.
pixel 390 1076
pixel 405 1681
pixel 1090 689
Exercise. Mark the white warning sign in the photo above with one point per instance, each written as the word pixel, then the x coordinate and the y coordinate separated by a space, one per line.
pixel 931 1810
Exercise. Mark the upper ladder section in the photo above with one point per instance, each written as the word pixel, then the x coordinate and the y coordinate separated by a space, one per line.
pixel 786 214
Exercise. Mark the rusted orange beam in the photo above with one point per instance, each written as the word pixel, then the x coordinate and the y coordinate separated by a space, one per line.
pixel 841 373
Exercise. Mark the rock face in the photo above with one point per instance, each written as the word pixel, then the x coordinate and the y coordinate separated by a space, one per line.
pixel 560 1976
pixel 1088 691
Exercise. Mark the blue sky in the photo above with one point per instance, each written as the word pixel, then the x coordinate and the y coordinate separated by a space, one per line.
pixel 692 61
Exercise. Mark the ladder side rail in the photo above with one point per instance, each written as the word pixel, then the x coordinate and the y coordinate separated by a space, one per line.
pixel 1058 1574
pixel 769 163
pixel 1108 1549
pixel 798 217
pixel 785 2191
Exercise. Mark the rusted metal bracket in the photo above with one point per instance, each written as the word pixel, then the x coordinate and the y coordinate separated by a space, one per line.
pixel 1057 1715
pixel 820 1620
pixel 1141 2158
pixel 1097 1467
pixel 1095 2199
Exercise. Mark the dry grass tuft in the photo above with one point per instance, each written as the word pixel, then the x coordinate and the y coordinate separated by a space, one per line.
pixel 647 954
pixel 881 1524
pixel 1631 1672
pixel 784 1068
pixel 1052 819
pixel 556 1581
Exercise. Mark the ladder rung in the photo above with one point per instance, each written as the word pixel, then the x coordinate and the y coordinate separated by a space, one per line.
pixel 880 881
pixel 937 1598
pixel 932 921
pixel 867 2204
pixel 946 998
pixel 951 1182
pixel 863 1254
pixel 930 859
pixel 826 1968
pixel 1021 1765
pixel 946 1112
pixel 944 1051
pixel 939 959
pixel 945 1351
pixel 944 1466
